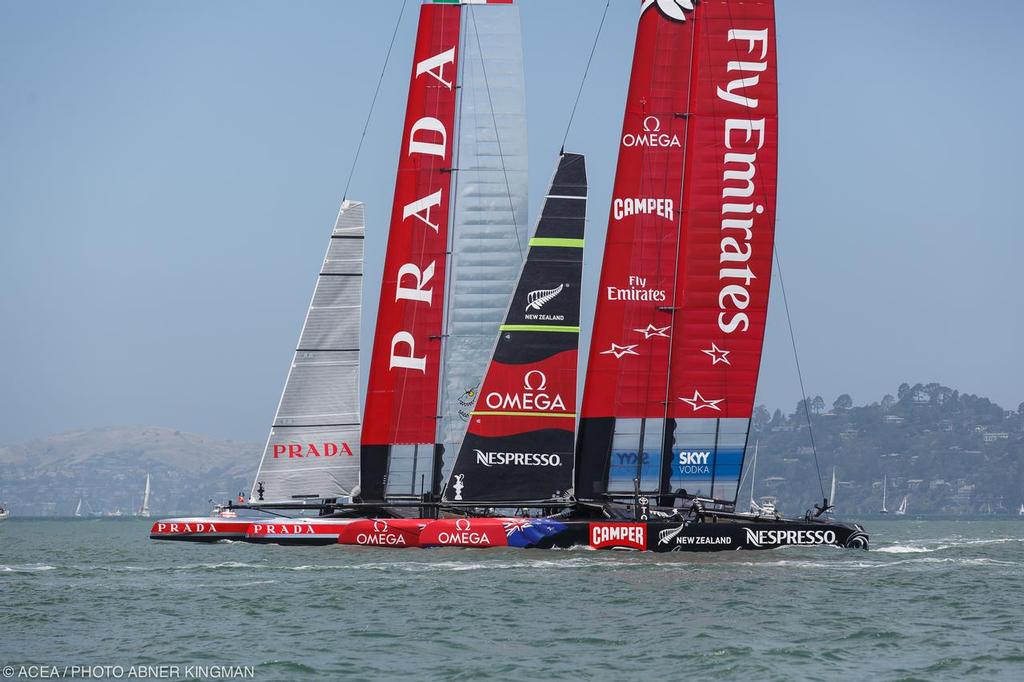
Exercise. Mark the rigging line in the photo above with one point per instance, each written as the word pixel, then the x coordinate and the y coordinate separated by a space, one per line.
pixel 497 135
pixel 586 71
pixel 799 373
pixel 369 114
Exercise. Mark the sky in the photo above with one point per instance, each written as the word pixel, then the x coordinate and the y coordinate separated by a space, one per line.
pixel 170 172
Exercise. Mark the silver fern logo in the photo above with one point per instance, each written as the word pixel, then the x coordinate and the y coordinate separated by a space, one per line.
pixel 673 9
pixel 535 300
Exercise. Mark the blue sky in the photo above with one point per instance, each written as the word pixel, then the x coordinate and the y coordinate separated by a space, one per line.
pixel 169 174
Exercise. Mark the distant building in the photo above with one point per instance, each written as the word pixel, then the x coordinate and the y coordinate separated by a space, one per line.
pixel 993 437
pixel 893 419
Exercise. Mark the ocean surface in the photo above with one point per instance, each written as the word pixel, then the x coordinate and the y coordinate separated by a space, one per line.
pixel 931 600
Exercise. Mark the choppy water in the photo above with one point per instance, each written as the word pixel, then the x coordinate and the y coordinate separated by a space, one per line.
pixel 931 600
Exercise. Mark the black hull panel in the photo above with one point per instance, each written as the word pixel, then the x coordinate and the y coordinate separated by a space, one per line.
pixel 710 536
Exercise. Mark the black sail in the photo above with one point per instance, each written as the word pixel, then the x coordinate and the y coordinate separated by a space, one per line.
pixel 520 440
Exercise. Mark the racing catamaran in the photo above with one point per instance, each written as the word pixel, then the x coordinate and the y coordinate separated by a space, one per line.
pixel 679 324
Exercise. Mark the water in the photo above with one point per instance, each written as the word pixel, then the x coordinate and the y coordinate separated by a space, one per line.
pixel 932 600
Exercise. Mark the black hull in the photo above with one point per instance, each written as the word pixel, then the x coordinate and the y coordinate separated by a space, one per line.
pixel 723 534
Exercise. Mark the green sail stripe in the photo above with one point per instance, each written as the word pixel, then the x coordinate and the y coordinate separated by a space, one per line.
pixel 538 328
pixel 556 241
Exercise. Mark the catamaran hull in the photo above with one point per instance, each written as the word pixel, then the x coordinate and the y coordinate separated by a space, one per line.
pixel 297 532
pixel 652 536
pixel 200 529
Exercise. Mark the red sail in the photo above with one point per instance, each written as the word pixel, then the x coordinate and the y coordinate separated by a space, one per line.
pixel 401 405
pixel 627 374
pixel 684 287
pixel 729 216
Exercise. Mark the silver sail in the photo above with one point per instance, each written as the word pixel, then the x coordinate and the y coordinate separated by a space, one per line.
pixel 313 448
pixel 490 231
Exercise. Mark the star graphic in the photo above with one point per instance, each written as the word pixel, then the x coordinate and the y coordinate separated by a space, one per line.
pixel 618 351
pixel 699 402
pixel 653 331
pixel 717 354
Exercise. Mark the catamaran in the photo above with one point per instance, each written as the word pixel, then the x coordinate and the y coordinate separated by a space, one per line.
pixel 677 336
pixel 471 411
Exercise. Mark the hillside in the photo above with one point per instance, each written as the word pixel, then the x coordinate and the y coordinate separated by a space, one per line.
pixel 107 468
pixel 948 452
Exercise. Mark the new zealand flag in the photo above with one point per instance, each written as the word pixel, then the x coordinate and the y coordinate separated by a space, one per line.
pixel 530 532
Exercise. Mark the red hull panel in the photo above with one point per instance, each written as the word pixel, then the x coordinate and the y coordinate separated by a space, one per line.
pixel 208 528
pixel 383 532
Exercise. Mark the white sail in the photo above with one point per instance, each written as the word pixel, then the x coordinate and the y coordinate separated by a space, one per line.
pixel 489 233
pixel 313 448
pixel 885 481
pixel 144 509
pixel 903 507
pixel 832 490
pixel 753 477
pixel 78 507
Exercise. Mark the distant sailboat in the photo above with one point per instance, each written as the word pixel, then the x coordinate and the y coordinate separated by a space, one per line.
pixel 883 510
pixel 903 507
pixel 144 509
pixel 766 505
pixel 832 492
pixel 78 507
pixel 1020 512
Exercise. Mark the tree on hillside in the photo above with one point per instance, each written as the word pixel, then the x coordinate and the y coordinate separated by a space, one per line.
pixel 887 402
pixel 818 404
pixel 843 402
pixel 761 417
pixel 903 390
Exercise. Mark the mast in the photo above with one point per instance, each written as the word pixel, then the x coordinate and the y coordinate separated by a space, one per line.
pixel 456 242
pixel 312 451
pixel 519 444
pixel 884 486
pixel 680 316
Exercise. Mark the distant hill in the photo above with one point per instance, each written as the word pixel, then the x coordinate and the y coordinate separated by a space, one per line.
pixel 107 468
pixel 948 452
